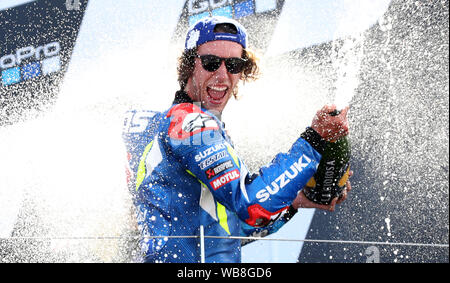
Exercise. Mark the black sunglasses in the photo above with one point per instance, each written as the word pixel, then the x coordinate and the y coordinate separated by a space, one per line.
pixel 211 63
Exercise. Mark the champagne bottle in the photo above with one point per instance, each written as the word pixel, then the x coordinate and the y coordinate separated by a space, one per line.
pixel 333 172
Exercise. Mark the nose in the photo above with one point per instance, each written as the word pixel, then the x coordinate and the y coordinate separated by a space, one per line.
pixel 222 71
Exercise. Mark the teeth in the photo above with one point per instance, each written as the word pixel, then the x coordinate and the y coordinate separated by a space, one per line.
pixel 216 88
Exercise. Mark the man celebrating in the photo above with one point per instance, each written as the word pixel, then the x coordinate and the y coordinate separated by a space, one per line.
pixel 184 173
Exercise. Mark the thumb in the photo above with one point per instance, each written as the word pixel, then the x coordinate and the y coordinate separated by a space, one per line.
pixel 345 111
pixel 332 205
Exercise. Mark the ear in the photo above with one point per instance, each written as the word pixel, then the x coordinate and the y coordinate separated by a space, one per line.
pixel 235 92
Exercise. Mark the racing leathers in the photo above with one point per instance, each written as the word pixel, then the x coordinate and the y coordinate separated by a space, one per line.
pixel 184 173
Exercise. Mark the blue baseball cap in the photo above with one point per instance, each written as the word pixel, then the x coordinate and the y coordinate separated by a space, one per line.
pixel 203 31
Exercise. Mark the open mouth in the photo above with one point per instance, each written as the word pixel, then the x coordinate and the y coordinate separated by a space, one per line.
pixel 216 94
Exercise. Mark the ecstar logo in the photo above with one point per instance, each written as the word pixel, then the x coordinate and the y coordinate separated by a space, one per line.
pixel 214 158
pixel 44 60
pixel 225 179
pixel 284 179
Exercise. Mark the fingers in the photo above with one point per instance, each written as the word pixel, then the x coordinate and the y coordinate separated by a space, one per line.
pixel 331 127
pixel 348 185
pixel 345 111
pixel 348 188
pixel 343 197
pixel 328 108
pixel 301 201
pixel 342 123
pixel 324 112
pixel 330 207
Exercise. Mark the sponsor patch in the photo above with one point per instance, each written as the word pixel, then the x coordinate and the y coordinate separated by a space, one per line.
pixel 207 152
pixel 45 61
pixel 188 120
pixel 281 181
pixel 210 160
pixel 225 179
pixel 198 121
pixel 216 170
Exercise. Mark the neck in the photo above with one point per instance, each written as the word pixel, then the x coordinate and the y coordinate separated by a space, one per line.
pixel 183 97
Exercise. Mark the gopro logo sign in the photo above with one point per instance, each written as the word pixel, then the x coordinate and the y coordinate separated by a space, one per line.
pixel 12 60
pixel 46 60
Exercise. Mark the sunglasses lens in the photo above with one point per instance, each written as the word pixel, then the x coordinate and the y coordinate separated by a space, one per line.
pixel 210 62
pixel 234 65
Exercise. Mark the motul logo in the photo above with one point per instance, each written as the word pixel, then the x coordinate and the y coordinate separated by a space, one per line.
pixel 225 179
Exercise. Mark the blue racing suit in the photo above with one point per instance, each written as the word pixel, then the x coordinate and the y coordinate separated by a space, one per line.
pixel 184 173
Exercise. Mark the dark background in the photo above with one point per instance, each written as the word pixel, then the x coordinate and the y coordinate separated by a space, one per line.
pixel 399 133
pixel 36 23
